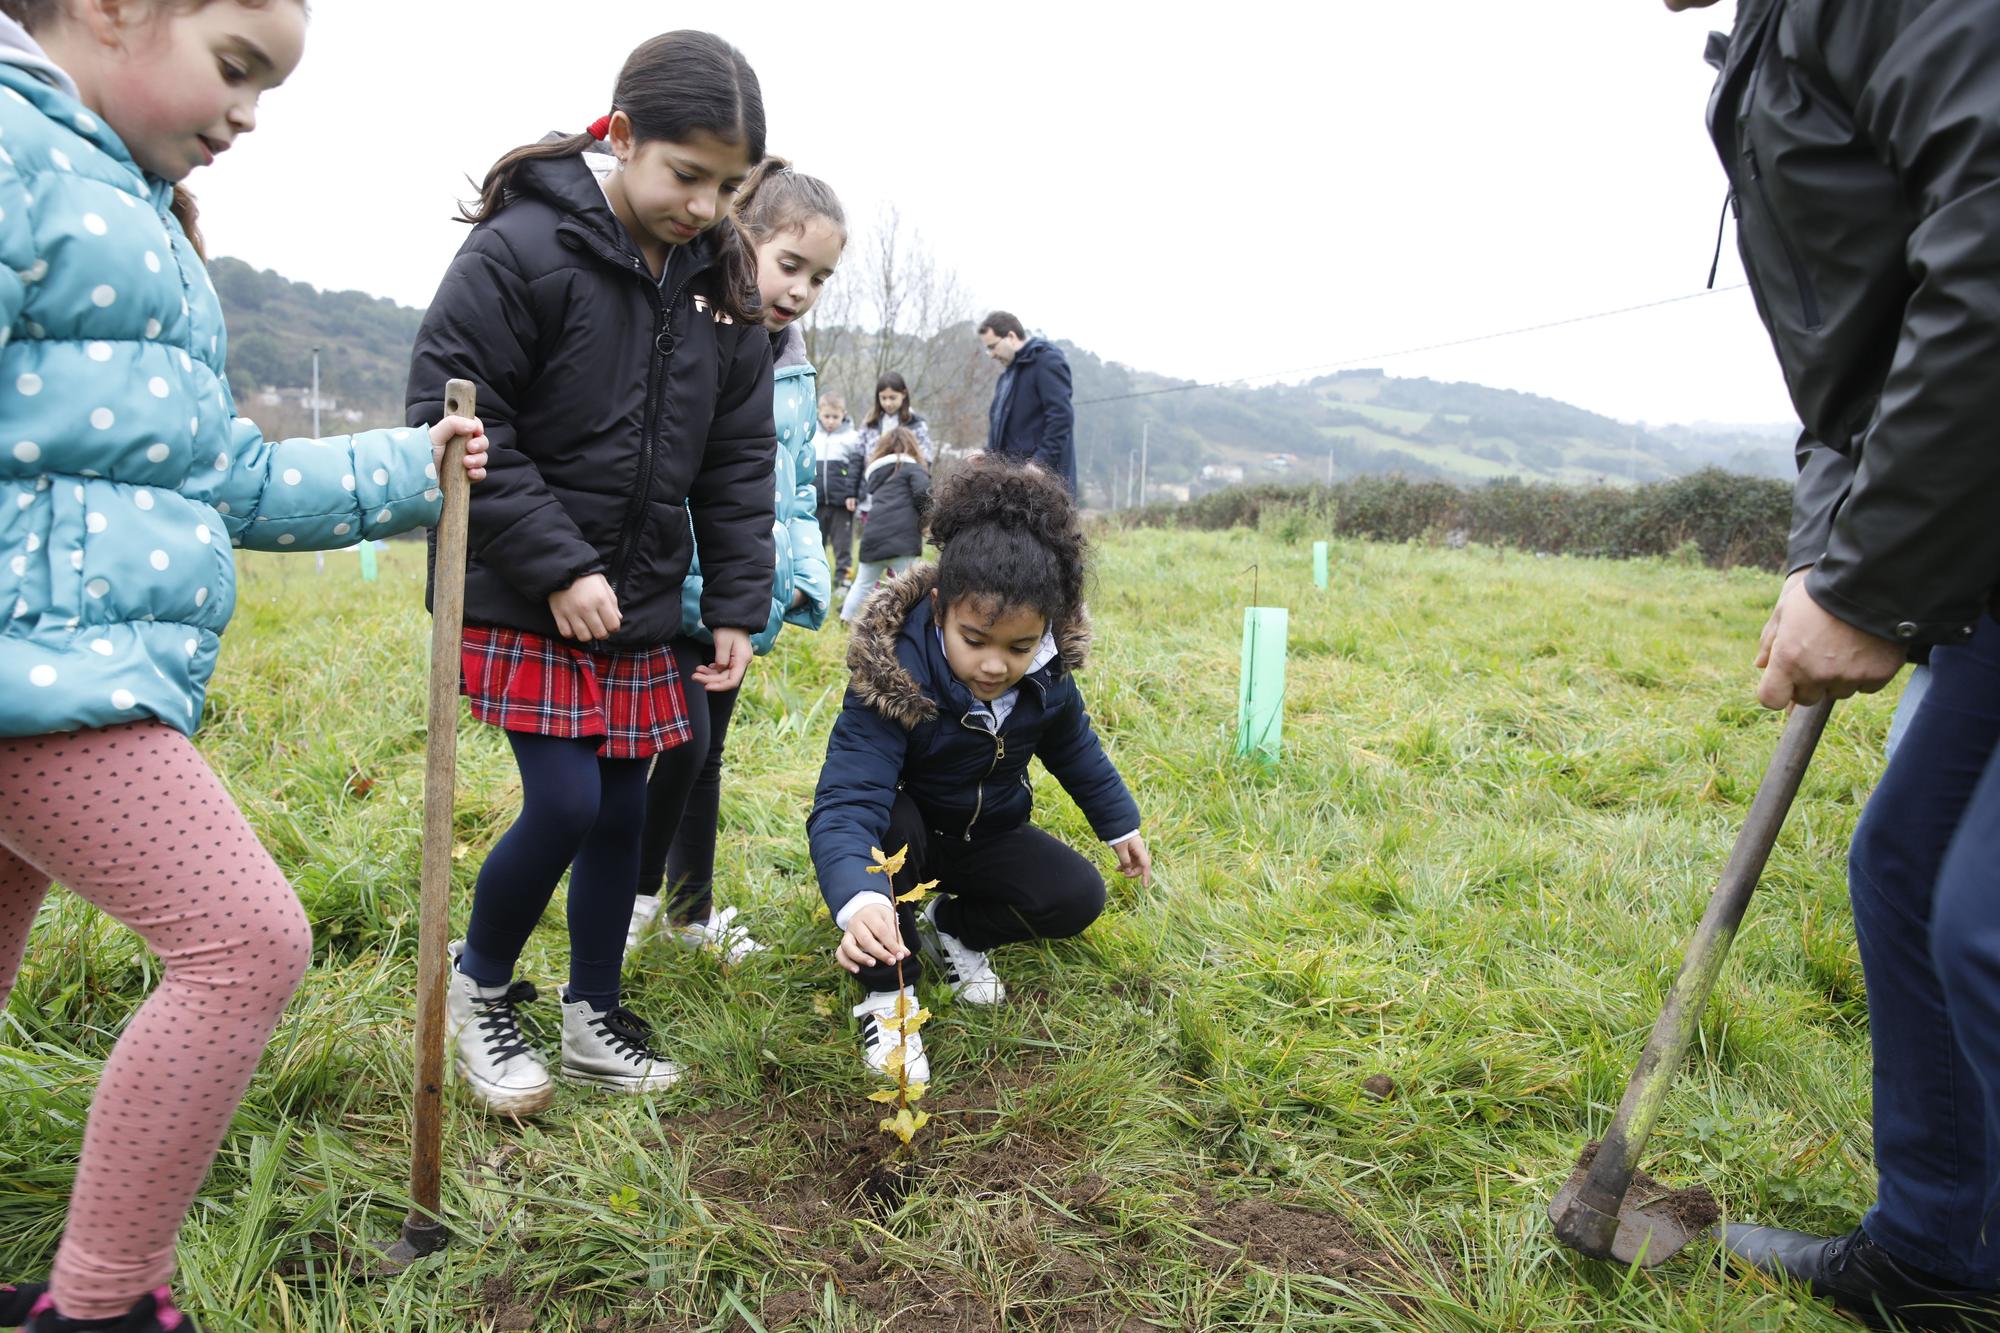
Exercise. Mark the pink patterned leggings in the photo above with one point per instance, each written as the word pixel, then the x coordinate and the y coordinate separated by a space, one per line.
pixel 132 819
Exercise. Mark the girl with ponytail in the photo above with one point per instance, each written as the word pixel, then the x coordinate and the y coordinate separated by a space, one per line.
pixel 961 672
pixel 614 328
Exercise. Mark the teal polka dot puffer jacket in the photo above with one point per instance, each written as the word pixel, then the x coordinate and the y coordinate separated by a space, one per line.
pixel 800 567
pixel 125 474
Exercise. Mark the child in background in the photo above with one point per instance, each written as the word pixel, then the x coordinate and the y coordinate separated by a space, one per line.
pixel 961 673
pixel 896 491
pixel 125 479
pixel 796 225
pixel 837 450
pixel 892 409
pixel 626 381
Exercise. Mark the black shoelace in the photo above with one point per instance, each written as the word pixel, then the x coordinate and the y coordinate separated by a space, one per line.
pixel 502 1025
pixel 627 1032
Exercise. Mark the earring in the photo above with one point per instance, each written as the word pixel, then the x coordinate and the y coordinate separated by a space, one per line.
pixel 621 164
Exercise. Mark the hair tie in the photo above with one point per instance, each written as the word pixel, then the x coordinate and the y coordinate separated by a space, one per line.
pixel 599 127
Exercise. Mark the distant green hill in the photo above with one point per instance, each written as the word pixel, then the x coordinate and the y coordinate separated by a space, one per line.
pixel 274 323
pixel 1365 421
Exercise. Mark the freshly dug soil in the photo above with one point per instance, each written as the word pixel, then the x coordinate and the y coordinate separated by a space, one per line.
pixel 1691 1207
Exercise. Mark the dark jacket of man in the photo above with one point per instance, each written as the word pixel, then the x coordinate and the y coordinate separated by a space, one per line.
pixel 613 404
pixel 1031 420
pixel 1862 141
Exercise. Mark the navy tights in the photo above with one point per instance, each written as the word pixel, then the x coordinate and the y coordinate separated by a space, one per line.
pixel 580 813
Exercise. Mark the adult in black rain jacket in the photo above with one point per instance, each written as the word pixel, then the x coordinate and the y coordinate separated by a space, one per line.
pixel 1862 140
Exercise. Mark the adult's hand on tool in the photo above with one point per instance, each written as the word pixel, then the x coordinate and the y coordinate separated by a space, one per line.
pixel 587 609
pixel 1134 861
pixel 1770 634
pixel 732 655
pixel 474 432
pixel 1810 654
pixel 871 939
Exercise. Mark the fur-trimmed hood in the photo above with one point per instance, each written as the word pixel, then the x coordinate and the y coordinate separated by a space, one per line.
pixel 878 673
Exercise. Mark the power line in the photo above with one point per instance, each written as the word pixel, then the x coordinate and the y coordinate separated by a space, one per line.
pixel 1412 351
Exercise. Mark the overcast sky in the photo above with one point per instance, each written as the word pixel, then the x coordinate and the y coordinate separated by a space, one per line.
pixel 1250 188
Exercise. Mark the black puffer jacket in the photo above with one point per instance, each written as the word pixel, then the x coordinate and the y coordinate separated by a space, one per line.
pixel 1862 138
pixel 613 405
pixel 899 496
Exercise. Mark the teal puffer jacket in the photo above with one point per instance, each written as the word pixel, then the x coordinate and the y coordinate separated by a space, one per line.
pixel 125 473
pixel 801 564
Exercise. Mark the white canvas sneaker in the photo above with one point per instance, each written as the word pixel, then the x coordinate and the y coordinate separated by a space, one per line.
pixel 719 935
pixel 645 910
pixel 612 1048
pixel 494 1059
pixel 878 1041
pixel 968 974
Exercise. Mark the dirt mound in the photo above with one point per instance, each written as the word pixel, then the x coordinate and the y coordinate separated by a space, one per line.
pixel 1064 1250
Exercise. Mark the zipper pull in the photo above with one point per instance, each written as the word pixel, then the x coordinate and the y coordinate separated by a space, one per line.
pixel 999 748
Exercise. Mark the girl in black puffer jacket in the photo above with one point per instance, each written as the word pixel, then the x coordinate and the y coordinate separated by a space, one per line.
pixel 895 495
pixel 614 333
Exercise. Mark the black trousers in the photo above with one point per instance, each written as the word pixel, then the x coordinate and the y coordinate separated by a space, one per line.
pixel 684 799
pixel 999 888
pixel 836 526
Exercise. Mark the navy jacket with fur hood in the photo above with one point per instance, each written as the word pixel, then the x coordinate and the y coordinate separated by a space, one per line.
pixel 614 405
pixel 906 725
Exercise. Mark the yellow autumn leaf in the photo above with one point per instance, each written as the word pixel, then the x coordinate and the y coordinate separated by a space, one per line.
pixel 822 1005
pixel 902 1124
pixel 907 1023
pixel 916 894
pixel 459 851
pixel 888 1096
pixel 918 1120
pixel 888 865
pixel 893 1066
pixel 915 1091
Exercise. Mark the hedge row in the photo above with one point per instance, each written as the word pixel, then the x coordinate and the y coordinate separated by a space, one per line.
pixel 1727 519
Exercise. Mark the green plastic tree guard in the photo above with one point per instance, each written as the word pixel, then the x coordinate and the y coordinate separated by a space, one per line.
pixel 367 561
pixel 1261 703
pixel 1319 565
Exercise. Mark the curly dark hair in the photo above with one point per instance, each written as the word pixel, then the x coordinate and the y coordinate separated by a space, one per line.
pixel 1009 537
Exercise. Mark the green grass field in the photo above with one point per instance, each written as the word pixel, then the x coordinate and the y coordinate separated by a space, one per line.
pixel 1507 786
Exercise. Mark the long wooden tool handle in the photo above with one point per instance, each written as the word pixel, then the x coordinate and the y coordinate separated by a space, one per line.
pixel 440 783
pixel 1592 1219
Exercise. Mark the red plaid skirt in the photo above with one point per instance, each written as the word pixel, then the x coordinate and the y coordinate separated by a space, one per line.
pixel 527 682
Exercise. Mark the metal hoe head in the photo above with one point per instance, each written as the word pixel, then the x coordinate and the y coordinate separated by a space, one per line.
pixel 1644 1231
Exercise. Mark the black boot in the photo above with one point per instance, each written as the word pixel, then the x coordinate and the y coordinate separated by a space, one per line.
pixel 154 1313
pixel 1864 1280
pixel 17 1299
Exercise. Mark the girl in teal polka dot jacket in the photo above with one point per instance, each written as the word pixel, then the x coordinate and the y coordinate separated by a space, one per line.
pixel 125 478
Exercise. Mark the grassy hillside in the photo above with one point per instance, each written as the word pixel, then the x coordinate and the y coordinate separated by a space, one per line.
pixel 1326 1072
pixel 1366 422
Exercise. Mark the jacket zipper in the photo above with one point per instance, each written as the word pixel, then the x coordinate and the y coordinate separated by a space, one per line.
pixel 663 347
pixel 1808 299
pixel 663 350
pixel 979 792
